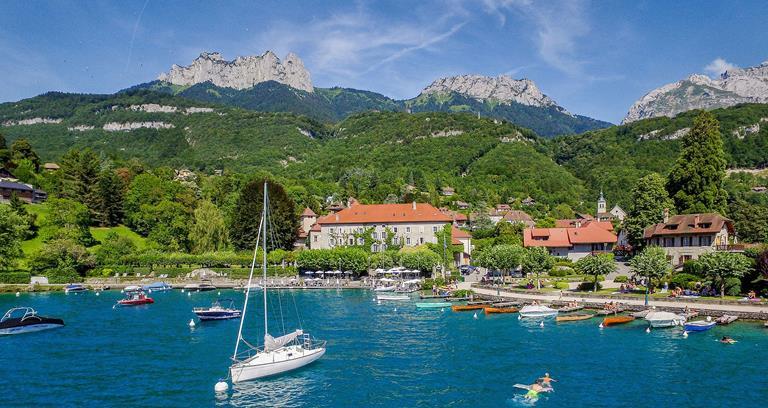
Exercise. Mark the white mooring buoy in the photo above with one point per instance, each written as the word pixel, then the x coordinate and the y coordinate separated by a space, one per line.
pixel 18 294
pixel 97 293
pixel 395 309
pixel 541 324
pixel 442 309
pixel 685 334
pixel 192 323
pixel 601 326
pixel 219 293
pixel 519 317
pixel 221 386
pixel 189 293
pixel 648 329
pixel 475 315
pixel 182 291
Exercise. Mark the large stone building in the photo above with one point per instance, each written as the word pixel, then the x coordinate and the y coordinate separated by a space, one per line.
pixel 573 243
pixel 389 224
pixel 688 236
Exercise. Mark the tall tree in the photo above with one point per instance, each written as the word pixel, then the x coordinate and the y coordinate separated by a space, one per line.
pixel 80 171
pixel 12 230
pixel 19 207
pixel 649 200
pixel 695 182
pixel 723 265
pixel 108 198
pixel 21 149
pixel 5 154
pixel 596 265
pixel 209 232
pixel 650 264
pixel 284 222
pixel 67 219
pixel 537 260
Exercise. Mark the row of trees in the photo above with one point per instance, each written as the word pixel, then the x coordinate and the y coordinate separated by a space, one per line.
pixel 359 260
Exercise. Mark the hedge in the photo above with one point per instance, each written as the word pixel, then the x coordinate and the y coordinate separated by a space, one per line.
pixel 18 278
pixel 561 285
pixel 621 279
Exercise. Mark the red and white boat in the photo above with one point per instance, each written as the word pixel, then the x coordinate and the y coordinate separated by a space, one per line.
pixel 135 299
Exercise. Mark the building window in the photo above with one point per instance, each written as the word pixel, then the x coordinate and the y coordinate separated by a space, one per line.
pixel 669 242
pixel 331 230
pixel 395 241
pixel 373 235
pixel 408 241
pixel 394 230
pixel 705 240
pixel 375 248
pixel 383 235
pixel 407 230
pixel 360 241
pixel 434 229
pixel 332 241
pixel 351 241
pixel 315 238
pixel 421 240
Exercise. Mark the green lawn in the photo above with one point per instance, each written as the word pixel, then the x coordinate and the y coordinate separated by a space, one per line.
pixel 99 233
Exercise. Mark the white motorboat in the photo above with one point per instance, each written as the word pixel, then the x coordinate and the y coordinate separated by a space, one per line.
pixel 393 297
pixel 26 320
pixel 385 289
pixel 664 319
pixel 132 288
pixel 533 311
pixel 278 354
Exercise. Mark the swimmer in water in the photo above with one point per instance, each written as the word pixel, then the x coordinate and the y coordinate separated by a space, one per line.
pixel 727 340
pixel 546 382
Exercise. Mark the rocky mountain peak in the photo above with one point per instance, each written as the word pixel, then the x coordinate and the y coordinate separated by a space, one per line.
pixel 241 73
pixel 734 86
pixel 502 88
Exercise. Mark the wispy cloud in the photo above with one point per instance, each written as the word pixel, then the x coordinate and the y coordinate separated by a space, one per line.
pixel 354 43
pixel 559 27
pixel 718 66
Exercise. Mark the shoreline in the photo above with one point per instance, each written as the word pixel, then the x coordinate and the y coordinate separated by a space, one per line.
pixel 746 311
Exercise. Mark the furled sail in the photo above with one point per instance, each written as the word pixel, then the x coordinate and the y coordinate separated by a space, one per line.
pixel 272 343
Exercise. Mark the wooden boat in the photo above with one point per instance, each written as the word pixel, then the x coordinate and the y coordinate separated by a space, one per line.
pixel 464 308
pixel 614 320
pixel 573 318
pixel 726 319
pixel 490 310
pixel 566 309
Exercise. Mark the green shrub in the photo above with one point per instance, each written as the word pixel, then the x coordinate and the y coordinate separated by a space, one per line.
pixel 692 267
pixel 19 278
pixel 621 279
pixel 428 283
pixel 732 286
pixel 564 262
pixel 66 275
pixel 561 285
pixel 683 279
pixel 463 293
pixel 588 286
pixel 559 272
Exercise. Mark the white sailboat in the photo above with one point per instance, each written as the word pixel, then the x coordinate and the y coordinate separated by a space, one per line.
pixel 278 354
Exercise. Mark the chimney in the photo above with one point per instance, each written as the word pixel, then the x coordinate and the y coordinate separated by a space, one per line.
pixel 666 215
pixel 696 220
pixel 578 223
pixel 414 205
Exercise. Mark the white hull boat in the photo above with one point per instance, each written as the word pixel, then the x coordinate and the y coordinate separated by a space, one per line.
pixel 278 354
pixel 265 364
pixel 393 297
pixel 534 311
pixel 385 289
pixel 664 319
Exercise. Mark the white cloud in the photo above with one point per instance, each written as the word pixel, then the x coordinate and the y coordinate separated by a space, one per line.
pixel 350 44
pixel 718 66
pixel 558 28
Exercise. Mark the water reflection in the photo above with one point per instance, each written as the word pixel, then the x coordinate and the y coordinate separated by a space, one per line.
pixel 283 391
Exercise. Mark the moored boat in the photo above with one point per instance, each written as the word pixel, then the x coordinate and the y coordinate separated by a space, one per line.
pixel 574 317
pixel 699 326
pixel 26 320
pixel 432 305
pixel 132 288
pixel 75 288
pixel 393 297
pixel 533 311
pixel 157 287
pixel 465 308
pixel 614 320
pixel 726 319
pixel 664 319
pixel 135 298
pixel 567 309
pixel 385 289
pixel 493 310
pixel 202 286
pixel 217 311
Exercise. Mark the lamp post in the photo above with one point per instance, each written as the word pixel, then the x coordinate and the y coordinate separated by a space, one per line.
pixel 647 285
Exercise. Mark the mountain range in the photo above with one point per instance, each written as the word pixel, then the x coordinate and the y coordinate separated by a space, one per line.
pixel 265 83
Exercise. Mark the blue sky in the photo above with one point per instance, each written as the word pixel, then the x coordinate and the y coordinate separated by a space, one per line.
pixel 594 58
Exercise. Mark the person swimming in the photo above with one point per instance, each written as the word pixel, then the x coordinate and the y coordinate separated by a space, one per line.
pixel 727 340
pixel 546 381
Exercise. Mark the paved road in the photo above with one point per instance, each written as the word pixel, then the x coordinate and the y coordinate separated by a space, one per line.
pixel 567 297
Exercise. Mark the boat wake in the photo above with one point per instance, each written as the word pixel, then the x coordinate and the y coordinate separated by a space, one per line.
pixel 287 391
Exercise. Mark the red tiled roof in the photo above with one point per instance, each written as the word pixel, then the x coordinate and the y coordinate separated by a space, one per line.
pixel 567 237
pixel 571 223
pixel 690 224
pixel 386 213
pixel 302 233
pixel 315 227
pixel 308 213
pixel 459 233
pixel 517 215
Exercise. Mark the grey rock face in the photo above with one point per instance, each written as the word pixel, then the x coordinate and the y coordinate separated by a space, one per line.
pixel 242 72
pixel 501 88
pixel 748 85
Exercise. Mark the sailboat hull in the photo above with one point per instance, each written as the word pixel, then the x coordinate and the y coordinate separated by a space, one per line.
pixel 265 364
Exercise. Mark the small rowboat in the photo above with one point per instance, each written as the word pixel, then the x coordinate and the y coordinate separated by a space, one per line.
pixel 573 318
pixel 490 310
pixel 393 297
pixel 614 320
pixel 432 305
pixel 697 326
pixel 464 308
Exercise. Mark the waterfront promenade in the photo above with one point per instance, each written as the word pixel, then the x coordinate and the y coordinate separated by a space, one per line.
pixel 745 310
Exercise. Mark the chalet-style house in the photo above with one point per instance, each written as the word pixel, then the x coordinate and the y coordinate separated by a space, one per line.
pixel 573 243
pixel 688 236
pixel 409 225
pixel 25 192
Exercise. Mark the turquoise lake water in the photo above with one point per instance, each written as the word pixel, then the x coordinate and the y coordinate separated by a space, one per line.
pixel 377 356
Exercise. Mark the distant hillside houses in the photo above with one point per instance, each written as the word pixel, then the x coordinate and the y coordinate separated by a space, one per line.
pixel 25 192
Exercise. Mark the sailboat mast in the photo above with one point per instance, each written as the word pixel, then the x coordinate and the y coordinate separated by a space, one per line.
pixel 264 255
